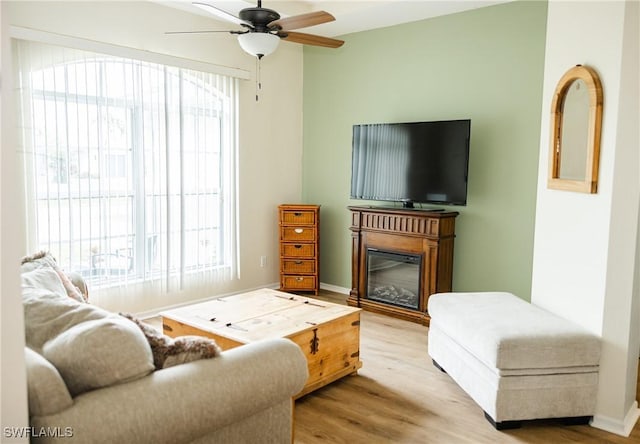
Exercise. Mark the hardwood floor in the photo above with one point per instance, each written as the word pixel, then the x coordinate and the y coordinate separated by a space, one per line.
pixel 400 397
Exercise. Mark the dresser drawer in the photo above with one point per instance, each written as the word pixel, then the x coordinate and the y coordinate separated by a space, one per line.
pixel 292 266
pixel 298 282
pixel 293 234
pixel 298 217
pixel 298 250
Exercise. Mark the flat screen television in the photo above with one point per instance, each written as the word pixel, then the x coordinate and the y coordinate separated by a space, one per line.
pixel 421 162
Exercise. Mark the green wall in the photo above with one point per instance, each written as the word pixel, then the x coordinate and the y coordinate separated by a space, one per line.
pixel 486 65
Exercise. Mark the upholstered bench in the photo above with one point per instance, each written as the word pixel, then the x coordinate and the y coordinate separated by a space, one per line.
pixel 517 361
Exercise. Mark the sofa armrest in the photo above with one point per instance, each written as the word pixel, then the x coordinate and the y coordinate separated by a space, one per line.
pixel 182 403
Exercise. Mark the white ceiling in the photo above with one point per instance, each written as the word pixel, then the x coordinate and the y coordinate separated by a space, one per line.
pixel 351 16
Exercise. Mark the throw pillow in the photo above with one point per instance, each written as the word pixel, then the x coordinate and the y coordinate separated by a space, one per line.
pixel 99 353
pixel 43 279
pixel 46 390
pixel 168 351
pixel 78 281
pixel 44 259
pixel 48 313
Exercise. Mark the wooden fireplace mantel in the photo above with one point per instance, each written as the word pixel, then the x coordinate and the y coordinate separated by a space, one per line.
pixel 427 233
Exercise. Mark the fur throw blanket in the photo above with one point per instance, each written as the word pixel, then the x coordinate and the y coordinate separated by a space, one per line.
pixel 168 351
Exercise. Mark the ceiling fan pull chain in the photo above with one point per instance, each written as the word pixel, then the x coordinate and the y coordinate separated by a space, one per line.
pixel 258 77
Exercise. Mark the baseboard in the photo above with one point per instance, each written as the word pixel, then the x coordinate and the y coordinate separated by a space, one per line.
pixel 334 288
pixel 622 428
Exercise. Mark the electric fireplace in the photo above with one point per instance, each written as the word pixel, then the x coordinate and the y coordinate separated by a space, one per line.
pixel 399 258
pixel 394 278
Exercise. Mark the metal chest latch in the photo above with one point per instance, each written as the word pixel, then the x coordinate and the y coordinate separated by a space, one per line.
pixel 314 342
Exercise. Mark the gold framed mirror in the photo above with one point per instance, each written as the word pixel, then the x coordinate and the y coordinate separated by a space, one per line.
pixel 576 123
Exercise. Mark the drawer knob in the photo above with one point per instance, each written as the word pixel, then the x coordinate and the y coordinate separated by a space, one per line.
pixel 298 262
pixel 299 279
pixel 297 214
pixel 297 246
pixel 299 230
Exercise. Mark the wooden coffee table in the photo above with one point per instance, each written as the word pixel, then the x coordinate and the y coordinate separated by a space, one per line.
pixel 327 333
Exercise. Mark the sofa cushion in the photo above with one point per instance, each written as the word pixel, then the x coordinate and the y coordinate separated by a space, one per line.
pixel 508 333
pixel 99 353
pixel 47 392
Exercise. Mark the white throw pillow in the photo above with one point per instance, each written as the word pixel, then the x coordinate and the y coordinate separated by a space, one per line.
pixel 99 353
pixel 44 279
pixel 47 314
pixel 44 260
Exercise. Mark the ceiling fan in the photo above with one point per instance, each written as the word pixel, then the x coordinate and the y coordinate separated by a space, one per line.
pixel 264 28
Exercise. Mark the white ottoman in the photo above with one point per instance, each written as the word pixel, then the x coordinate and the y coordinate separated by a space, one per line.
pixel 516 360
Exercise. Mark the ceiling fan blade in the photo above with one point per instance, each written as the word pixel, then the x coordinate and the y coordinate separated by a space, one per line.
pixel 198 32
pixel 301 21
pixel 222 14
pixel 310 39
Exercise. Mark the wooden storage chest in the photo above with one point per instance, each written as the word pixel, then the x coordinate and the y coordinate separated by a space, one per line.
pixel 327 333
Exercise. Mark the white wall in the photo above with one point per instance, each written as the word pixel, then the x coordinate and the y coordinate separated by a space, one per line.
pixel 585 244
pixel 13 407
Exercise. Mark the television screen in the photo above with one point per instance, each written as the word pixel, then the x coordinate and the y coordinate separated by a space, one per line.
pixel 423 162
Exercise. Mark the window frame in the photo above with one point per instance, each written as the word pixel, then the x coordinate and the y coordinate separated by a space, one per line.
pixel 139 201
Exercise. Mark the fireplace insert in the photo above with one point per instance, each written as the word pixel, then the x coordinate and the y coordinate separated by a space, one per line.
pixel 394 278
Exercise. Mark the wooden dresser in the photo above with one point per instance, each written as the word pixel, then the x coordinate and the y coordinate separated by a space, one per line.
pixel 299 247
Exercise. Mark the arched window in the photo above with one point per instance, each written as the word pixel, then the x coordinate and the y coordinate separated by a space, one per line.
pixel 130 168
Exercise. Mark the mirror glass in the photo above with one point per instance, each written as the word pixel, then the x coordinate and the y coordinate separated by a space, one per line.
pixel 576 122
pixel 575 132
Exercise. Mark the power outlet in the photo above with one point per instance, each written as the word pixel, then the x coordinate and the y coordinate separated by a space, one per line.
pixel 263 261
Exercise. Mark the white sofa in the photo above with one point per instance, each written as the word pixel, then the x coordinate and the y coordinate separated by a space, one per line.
pixel 92 379
pixel 517 361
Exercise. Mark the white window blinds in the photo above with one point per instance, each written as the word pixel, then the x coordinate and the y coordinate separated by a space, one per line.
pixel 130 171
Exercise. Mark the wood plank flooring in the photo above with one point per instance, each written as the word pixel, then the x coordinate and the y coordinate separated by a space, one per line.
pixel 400 397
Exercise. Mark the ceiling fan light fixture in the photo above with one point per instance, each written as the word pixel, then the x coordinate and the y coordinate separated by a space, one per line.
pixel 258 44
